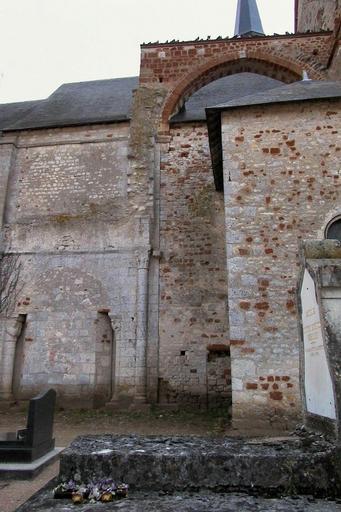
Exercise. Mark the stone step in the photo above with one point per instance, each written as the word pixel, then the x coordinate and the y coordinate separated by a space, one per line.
pixel 269 467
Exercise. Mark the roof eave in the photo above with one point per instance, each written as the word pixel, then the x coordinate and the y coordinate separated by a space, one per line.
pixel 66 124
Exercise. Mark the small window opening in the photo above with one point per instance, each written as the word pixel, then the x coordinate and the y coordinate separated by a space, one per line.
pixel 333 230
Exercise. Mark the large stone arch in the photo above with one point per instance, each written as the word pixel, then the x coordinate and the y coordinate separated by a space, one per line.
pixel 63 288
pixel 272 66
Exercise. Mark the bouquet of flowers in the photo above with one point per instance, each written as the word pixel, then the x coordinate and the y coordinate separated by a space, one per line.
pixel 103 490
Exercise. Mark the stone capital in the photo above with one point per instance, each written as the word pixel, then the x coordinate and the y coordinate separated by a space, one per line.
pixel 143 258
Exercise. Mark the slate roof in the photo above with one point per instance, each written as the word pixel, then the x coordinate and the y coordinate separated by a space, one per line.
pixel 10 113
pixel 103 101
pixel 110 100
pixel 223 90
pixel 81 103
pixel 305 90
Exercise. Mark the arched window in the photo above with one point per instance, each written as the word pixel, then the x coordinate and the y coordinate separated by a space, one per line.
pixel 333 230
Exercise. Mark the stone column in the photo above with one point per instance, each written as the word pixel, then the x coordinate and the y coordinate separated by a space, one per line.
pixel 143 259
pixel 10 331
pixel 116 328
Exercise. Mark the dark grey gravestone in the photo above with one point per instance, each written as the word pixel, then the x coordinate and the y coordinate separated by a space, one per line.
pixel 35 441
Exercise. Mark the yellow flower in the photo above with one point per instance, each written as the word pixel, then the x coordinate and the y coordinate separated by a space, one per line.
pixel 106 497
pixel 77 498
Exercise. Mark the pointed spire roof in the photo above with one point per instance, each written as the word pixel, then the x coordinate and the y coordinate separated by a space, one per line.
pixel 248 22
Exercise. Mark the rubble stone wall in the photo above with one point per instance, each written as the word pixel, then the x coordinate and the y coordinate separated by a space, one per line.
pixel 194 341
pixel 282 185
pixel 80 241
pixel 317 15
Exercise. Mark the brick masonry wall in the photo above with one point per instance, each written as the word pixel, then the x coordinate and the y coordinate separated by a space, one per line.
pixel 282 185
pixel 193 286
pixel 316 15
pixel 183 68
pixel 167 63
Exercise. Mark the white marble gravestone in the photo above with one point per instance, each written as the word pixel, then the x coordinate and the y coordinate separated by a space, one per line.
pixel 318 386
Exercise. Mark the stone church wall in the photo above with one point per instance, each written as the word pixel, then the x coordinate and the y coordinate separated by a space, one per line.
pixel 194 339
pixel 123 288
pixel 317 15
pixel 282 185
pixel 74 323
pixel 62 301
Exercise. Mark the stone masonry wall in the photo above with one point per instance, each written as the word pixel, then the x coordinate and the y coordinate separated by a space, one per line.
pixel 61 174
pixel 80 239
pixel 282 185
pixel 194 341
pixel 60 300
pixel 316 15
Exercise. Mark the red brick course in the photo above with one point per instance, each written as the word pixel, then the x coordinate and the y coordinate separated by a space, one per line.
pixel 183 68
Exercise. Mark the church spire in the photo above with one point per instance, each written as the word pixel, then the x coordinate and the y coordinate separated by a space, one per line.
pixel 248 22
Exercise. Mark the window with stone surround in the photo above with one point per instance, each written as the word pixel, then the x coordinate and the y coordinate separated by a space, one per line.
pixel 333 230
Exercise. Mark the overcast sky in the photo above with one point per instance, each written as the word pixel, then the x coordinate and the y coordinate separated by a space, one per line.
pixel 45 43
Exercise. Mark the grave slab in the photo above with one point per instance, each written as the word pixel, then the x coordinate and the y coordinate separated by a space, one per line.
pixel 184 502
pixel 307 465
